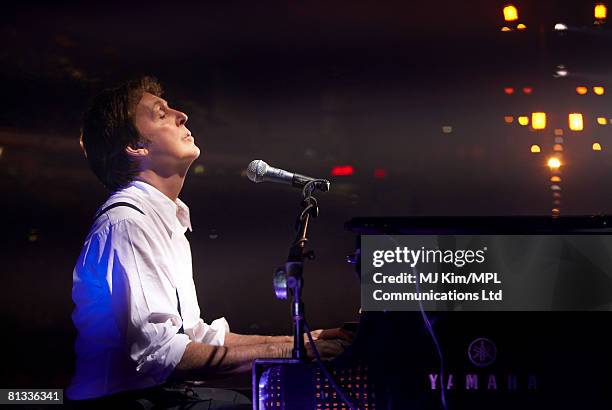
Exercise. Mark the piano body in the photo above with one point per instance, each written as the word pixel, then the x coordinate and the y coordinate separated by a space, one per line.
pixel 477 360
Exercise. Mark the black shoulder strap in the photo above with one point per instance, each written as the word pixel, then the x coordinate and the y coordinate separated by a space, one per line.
pixel 115 205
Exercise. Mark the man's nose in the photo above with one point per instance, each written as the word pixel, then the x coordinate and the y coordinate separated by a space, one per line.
pixel 181 118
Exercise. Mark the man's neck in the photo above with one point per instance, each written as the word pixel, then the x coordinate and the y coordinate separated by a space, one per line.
pixel 170 186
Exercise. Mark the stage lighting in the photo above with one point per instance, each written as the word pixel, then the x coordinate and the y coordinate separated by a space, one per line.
pixel 523 120
pixel 535 149
pixel 538 120
pixel 599 90
pixel 601 11
pixel 510 13
pixel 560 27
pixel 342 170
pixel 596 146
pixel 509 90
pixel 576 122
pixel 602 121
pixel 521 26
pixel 582 90
pixel 554 163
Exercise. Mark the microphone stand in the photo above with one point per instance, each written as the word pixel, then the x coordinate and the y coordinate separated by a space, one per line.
pixel 294 268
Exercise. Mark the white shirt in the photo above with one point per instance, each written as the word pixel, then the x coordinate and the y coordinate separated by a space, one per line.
pixel 124 288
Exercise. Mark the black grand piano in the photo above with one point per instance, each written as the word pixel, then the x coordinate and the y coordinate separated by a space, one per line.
pixel 464 359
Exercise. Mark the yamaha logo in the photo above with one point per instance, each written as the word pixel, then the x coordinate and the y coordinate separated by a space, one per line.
pixel 482 352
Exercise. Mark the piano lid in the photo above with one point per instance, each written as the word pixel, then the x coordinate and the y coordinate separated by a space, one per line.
pixel 480 225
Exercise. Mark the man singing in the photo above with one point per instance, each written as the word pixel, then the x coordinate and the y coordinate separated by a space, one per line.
pixel 137 312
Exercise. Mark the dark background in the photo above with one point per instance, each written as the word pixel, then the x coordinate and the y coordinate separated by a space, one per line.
pixel 305 86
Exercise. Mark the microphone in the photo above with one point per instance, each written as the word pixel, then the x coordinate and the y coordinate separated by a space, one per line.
pixel 259 171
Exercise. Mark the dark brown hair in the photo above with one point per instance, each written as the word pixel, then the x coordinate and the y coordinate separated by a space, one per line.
pixel 108 129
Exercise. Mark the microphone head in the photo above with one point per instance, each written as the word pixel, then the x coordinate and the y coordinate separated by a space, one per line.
pixel 256 170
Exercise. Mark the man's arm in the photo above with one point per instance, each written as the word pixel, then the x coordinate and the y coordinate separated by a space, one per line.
pixel 200 359
pixel 235 339
pixel 203 360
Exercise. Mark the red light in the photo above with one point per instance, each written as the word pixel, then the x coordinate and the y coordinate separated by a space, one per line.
pixel 380 173
pixel 527 90
pixel 509 90
pixel 342 170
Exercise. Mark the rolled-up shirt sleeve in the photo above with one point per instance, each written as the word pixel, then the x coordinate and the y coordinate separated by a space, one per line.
pixel 144 302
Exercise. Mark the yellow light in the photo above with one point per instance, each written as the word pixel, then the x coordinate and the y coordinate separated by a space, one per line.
pixel 508 119
pixel 510 13
pixel 582 90
pixel 538 120
pixel 199 169
pixel 554 163
pixel 601 11
pixel 602 121
pixel 535 149
pixel 576 122
pixel 523 120
pixel 557 147
pixel 555 178
pixel 506 29
pixel 599 90
pixel 596 146
pixel 521 26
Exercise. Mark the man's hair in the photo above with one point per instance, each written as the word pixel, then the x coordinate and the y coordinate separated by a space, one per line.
pixel 109 128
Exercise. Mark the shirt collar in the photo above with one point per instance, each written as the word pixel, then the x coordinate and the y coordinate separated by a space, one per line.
pixel 175 215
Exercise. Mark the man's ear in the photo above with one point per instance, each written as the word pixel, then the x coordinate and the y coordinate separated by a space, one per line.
pixel 140 151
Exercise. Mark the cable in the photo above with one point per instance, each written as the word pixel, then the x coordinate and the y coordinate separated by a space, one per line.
pixel 432 333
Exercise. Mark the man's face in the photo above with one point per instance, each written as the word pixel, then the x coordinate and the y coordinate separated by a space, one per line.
pixel 171 145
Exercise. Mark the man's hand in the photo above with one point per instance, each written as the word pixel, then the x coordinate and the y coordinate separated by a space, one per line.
pixel 330 334
pixel 328 349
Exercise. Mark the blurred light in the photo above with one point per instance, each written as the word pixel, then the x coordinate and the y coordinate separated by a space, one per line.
pixel 199 169
pixel 1 151
pixel 535 149
pixel 243 173
pixel 556 202
pixel 556 194
pixel 596 146
pixel 555 178
pixel 560 27
pixel 601 11
pixel 33 235
pixel 558 140
pixel 538 120
pixel 521 26
pixel 558 131
pixel 527 90
pixel 576 122
pixel 523 120
pixel 509 90
pixel 447 129
pixel 561 71
pixel 508 119
pixel 555 188
pixel 342 170
pixel 582 90
pixel 555 211
pixel 602 121
pixel 506 28
pixel 380 173
pixel 510 13
pixel 599 90
pixel 554 163
pixel 557 147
